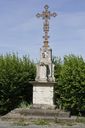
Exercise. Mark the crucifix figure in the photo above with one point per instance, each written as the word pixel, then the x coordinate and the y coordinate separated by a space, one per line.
pixel 46 17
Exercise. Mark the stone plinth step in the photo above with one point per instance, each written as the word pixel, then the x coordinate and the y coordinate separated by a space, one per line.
pixel 21 113
pixel 27 118
pixel 42 112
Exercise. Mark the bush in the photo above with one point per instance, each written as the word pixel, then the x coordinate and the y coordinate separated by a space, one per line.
pixel 70 87
pixel 15 74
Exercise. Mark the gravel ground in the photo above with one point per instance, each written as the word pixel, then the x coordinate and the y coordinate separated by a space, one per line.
pixel 5 124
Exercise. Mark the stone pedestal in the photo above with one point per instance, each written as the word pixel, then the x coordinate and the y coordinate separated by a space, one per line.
pixel 43 86
pixel 43 95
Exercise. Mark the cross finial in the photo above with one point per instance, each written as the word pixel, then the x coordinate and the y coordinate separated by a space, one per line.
pixel 46 16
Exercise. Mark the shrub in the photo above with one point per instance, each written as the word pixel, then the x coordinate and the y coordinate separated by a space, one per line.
pixel 70 85
pixel 15 74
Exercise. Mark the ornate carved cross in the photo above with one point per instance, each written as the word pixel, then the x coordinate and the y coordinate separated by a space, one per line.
pixel 46 17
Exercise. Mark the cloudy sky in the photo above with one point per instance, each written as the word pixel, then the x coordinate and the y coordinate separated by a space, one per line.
pixel 21 32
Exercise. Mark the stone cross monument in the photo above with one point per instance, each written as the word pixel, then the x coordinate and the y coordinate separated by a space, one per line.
pixel 44 81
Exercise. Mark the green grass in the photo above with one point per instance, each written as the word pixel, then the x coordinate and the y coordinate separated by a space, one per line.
pixel 80 120
pixel 24 104
pixel 65 122
pixel 70 122
pixel 41 122
pixel 21 122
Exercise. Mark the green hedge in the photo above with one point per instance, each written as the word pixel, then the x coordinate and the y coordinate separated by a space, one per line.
pixel 70 84
pixel 15 74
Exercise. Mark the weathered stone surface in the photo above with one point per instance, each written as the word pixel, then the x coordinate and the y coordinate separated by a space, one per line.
pixel 43 87
pixel 45 68
pixel 43 95
pixel 36 114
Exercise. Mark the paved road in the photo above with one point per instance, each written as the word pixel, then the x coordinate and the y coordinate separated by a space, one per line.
pixel 4 124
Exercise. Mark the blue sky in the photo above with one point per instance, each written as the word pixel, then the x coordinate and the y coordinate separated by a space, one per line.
pixel 21 31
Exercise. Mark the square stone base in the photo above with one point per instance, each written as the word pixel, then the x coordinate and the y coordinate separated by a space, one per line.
pixel 43 94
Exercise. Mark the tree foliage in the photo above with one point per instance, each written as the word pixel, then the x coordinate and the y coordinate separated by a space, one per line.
pixel 70 87
pixel 15 74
